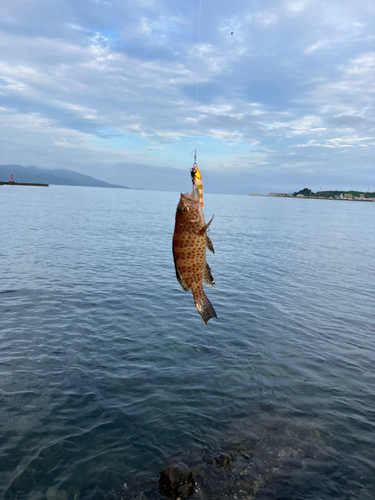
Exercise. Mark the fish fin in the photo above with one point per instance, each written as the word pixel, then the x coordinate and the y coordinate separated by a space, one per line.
pixel 178 276
pixel 204 228
pixel 180 280
pixel 208 279
pixel 204 306
pixel 209 244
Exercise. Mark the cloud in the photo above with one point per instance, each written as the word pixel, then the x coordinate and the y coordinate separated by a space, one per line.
pixel 94 84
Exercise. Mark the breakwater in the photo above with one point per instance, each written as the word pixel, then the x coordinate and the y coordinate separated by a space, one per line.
pixel 11 183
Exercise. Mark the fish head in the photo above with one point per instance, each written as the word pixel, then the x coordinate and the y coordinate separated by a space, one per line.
pixel 189 210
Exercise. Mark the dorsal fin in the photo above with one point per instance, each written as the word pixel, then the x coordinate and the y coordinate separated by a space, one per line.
pixel 204 228
pixel 209 244
pixel 208 279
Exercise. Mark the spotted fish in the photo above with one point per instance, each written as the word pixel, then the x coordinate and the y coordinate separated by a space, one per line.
pixel 190 241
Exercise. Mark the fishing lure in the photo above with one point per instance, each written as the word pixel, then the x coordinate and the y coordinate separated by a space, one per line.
pixel 196 179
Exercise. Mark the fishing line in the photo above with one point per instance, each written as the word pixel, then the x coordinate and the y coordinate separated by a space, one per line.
pixel 199 37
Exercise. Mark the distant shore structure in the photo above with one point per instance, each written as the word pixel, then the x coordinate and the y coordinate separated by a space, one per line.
pixel 307 194
pixel 12 183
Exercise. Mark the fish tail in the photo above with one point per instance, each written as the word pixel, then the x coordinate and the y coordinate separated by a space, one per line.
pixel 204 306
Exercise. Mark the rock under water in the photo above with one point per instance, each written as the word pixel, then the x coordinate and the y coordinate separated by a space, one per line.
pixel 177 481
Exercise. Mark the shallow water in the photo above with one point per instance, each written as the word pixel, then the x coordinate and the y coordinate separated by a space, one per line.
pixel 108 373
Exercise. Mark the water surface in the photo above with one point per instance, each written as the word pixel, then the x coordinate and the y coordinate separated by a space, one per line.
pixel 108 373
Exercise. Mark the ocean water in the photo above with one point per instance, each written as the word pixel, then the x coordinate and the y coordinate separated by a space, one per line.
pixel 108 374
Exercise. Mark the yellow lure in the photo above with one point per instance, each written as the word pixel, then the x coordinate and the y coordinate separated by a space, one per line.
pixel 197 182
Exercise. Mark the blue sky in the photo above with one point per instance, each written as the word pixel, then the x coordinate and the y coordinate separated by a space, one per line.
pixel 125 91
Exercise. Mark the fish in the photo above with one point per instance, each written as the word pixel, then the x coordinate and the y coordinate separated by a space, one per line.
pixel 190 241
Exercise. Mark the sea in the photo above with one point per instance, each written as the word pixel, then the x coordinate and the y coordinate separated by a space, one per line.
pixel 108 374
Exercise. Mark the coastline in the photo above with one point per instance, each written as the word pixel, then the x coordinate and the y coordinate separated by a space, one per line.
pixel 300 197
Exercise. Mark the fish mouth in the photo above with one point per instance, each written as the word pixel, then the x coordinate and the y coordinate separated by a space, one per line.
pixel 189 198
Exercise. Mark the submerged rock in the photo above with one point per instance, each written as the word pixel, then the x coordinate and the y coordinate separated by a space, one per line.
pixel 260 459
pixel 177 481
pixel 224 460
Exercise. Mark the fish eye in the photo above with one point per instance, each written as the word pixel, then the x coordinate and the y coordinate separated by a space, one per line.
pixel 184 209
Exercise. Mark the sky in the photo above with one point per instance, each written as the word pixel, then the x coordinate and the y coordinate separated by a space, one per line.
pixel 274 95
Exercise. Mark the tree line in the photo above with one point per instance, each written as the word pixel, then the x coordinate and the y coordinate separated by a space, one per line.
pixel 331 194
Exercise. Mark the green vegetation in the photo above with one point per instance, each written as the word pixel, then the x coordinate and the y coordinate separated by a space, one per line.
pixel 305 192
pixel 331 194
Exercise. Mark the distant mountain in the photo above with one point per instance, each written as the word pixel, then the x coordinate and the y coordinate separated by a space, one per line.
pixel 58 176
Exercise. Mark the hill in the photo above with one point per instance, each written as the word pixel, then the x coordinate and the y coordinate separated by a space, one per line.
pixel 58 176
